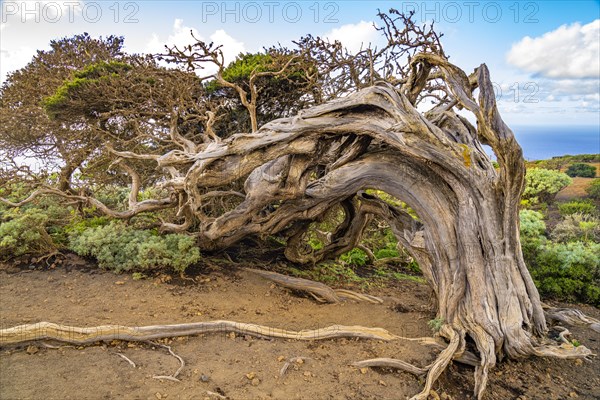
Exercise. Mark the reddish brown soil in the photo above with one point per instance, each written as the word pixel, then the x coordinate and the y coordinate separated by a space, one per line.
pixel 575 190
pixel 222 363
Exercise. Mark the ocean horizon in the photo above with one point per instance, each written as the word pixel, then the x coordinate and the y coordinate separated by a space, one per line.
pixel 543 142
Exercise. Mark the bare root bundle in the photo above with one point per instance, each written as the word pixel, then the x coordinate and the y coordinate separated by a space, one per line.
pixel 321 292
pixel 571 316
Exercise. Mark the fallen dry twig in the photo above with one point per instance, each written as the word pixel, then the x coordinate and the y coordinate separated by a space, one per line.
pixel 172 377
pixel 124 357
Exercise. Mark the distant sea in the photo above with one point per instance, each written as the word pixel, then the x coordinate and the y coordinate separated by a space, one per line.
pixel 542 142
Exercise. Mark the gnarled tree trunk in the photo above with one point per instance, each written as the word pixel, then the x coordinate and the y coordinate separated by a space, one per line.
pixel 467 237
pixel 466 240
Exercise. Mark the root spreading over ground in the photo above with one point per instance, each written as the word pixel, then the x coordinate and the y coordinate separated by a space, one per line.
pixel 448 351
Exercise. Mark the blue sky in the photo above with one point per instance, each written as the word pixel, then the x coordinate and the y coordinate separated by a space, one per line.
pixel 543 55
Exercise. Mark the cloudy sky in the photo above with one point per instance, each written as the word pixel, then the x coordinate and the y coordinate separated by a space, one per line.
pixel 543 55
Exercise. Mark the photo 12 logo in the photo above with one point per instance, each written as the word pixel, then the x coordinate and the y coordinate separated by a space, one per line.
pixel 68 11
pixel 472 11
pixel 517 92
pixel 269 11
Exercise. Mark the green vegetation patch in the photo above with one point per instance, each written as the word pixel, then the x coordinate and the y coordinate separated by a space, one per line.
pixel 121 248
pixel 543 184
pixel 577 206
pixel 594 189
pixel 582 170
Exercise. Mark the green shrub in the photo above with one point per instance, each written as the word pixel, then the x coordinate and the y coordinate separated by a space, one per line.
pixel 386 253
pixel 568 271
pixel 355 257
pixel 577 206
pixel 543 184
pixel 36 228
pixel 532 223
pixel 594 189
pixel 78 225
pixel 530 246
pixel 121 248
pixel 436 324
pixel 582 170
pixel 577 227
pixel 25 233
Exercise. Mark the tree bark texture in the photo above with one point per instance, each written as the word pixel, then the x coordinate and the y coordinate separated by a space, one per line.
pixel 467 237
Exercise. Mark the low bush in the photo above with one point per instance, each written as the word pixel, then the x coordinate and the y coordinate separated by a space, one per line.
pixel 543 184
pixel 36 228
pixel 581 170
pixel 568 271
pixel 532 223
pixel 25 233
pixel 78 225
pixel 121 248
pixel 355 257
pixel 593 190
pixel 386 253
pixel 577 206
pixel 577 227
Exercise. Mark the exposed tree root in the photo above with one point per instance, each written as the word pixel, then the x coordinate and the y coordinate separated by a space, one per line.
pixel 455 350
pixel 433 370
pixel 79 335
pixel 349 294
pixel 319 291
pixel 441 362
pixel 392 363
pixel 562 336
pixel 570 316
pixel 46 257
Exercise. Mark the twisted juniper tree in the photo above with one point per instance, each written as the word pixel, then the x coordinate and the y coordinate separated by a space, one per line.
pixel 365 133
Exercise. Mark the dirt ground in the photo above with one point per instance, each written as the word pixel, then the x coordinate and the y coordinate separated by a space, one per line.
pixel 575 190
pixel 238 366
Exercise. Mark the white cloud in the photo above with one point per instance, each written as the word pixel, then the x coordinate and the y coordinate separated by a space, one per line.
pixel 571 51
pixel 231 47
pixel 181 37
pixel 571 87
pixel 11 60
pixel 354 36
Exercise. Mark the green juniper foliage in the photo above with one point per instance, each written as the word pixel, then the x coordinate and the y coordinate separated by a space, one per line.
pixel 121 248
